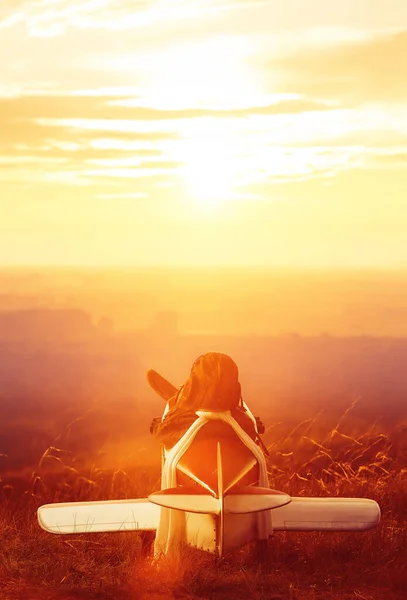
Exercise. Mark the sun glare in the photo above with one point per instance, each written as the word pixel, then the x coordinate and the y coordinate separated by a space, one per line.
pixel 209 174
pixel 211 167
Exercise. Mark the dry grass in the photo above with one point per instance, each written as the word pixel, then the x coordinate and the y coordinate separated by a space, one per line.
pixel 317 457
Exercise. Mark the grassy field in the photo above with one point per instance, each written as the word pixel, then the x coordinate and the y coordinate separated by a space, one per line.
pixel 320 456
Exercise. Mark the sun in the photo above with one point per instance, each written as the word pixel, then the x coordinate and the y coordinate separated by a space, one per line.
pixel 211 167
pixel 209 174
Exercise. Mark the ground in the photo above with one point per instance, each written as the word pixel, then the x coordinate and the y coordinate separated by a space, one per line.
pixel 306 460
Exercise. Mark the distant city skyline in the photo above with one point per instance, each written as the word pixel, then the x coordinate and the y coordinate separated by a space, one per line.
pixel 217 301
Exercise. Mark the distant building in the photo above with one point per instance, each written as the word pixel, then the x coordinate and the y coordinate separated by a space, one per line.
pixel 105 327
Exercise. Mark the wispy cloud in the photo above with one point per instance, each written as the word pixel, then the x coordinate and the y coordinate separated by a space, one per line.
pixel 95 107
pixel 370 70
pixel 50 18
pixel 395 158
pixel 118 196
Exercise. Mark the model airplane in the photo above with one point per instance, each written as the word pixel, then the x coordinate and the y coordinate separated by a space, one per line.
pixel 216 502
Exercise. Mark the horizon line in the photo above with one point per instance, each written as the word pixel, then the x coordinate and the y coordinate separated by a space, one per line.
pixel 178 267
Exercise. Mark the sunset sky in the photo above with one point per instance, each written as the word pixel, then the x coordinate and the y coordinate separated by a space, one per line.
pixel 199 132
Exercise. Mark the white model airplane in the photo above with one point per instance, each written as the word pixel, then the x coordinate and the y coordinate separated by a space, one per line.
pixel 217 500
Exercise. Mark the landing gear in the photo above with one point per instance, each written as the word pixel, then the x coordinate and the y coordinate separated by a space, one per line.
pixel 147 541
pixel 260 551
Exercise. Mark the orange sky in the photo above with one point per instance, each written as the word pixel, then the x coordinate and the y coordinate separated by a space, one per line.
pixel 203 132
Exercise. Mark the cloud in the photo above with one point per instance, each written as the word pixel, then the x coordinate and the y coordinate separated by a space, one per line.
pixel 394 159
pixel 123 195
pixel 365 71
pixel 19 122
pixel 100 138
pixel 93 107
pixel 49 18
pixel 93 127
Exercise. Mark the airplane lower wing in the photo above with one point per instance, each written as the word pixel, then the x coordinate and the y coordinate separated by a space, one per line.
pixel 94 517
pixel 301 514
pixel 327 514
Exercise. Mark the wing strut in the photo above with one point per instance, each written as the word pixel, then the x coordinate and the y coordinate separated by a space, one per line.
pixel 221 521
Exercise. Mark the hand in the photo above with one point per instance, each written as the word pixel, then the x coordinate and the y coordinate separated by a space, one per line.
pixel 260 425
pixel 154 423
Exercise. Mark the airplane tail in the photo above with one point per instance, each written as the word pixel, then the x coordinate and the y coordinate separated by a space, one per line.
pixel 240 500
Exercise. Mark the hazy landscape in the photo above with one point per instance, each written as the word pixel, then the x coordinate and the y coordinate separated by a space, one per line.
pixel 322 360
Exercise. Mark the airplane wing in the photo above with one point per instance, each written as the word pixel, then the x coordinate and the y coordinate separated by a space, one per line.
pixel 327 514
pixel 92 517
pixel 301 514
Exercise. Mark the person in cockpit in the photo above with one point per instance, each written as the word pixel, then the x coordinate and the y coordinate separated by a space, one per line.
pixel 213 385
